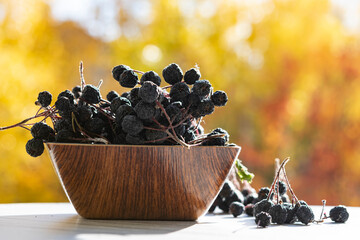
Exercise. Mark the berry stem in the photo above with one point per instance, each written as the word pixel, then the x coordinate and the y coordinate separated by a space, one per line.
pixel 293 196
pixel 82 80
pixel 277 177
pixel 137 71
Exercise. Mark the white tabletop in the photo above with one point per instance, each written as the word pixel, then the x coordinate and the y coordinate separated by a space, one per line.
pixel 60 221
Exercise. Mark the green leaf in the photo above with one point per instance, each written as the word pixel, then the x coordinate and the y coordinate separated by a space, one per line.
pixel 243 172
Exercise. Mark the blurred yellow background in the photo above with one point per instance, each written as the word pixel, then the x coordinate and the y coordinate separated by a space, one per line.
pixel 291 70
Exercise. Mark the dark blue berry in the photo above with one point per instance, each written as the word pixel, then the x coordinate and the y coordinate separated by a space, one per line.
pixel 263 193
pixel 132 125
pixel 111 95
pixel 95 125
pixel 152 77
pixel 34 147
pixel 219 98
pixel 44 98
pixel 339 214
pixel 155 137
pixel 65 136
pixel 118 70
pixel 305 214
pixel 249 209
pixel 123 111
pixel 145 110
pixel 278 214
pixel 91 94
pixel 205 107
pixel 117 102
pixel 202 88
pixel 262 206
pixel 42 131
pixel 128 79
pixel 67 94
pixel 149 92
pixel 76 91
pixel 236 208
pixel 263 219
pixel 179 92
pixel 192 75
pixel 134 139
pixel 172 74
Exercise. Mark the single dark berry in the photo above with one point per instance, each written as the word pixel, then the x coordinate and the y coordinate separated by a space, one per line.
pixel 128 79
pixel 67 94
pixel 305 214
pixel 149 92
pixel 278 214
pixel 152 77
pixel 202 88
pixel 290 213
pixel 65 136
pixel 132 125
pixel 123 111
pixel 91 94
pixel 339 214
pixel 76 91
pixel 250 198
pixel 172 74
pixel 134 139
pixel 236 208
pixel 263 193
pixel 125 95
pixel 44 98
pixel 84 113
pixel 205 107
pixel 262 206
pixel 217 141
pixel 179 92
pixel 249 209
pixel 118 70
pixel 111 95
pixel 62 124
pixel 227 189
pixel 219 98
pixel 63 104
pixel 155 137
pixel 174 111
pixel 134 96
pixel 262 219
pixel 35 147
pixel 192 75
pixel 95 125
pixel 145 110
pixel 117 102
pixel 43 131
pixel 192 101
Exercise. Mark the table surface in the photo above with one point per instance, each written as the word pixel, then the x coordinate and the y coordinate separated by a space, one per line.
pixel 60 221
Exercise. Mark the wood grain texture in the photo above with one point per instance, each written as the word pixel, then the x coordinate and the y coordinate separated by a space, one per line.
pixel 141 182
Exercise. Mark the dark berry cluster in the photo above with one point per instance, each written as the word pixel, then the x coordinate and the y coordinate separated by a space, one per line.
pixel 146 114
pixel 273 204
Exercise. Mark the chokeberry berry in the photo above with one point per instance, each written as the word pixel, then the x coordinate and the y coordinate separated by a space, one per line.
pixel 63 104
pixel 202 88
pixel 149 92
pixel 305 214
pixel 339 214
pixel 249 209
pixel 278 214
pixel 205 107
pixel 192 75
pixel 118 70
pixel 134 139
pixel 95 125
pixel 35 147
pixel 172 74
pixel 152 77
pixel 262 206
pixel 91 94
pixel 65 136
pixel 262 219
pixel 128 79
pixel 145 110
pixel 117 102
pixel 123 111
pixel 44 98
pixel 132 125
pixel 219 98
pixel 263 193
pixel 236 208
pixel 155 137
pixel 68 94
pixel 42 131
pixel 179 92
pixel 111 95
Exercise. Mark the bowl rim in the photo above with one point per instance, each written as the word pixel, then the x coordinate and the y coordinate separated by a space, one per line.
pixel 137 146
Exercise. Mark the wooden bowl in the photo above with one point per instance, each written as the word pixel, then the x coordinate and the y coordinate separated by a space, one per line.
pixel 141 182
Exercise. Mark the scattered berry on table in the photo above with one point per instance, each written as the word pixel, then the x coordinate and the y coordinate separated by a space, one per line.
pixel 263 219
pixel 236 208
pixel 339 214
